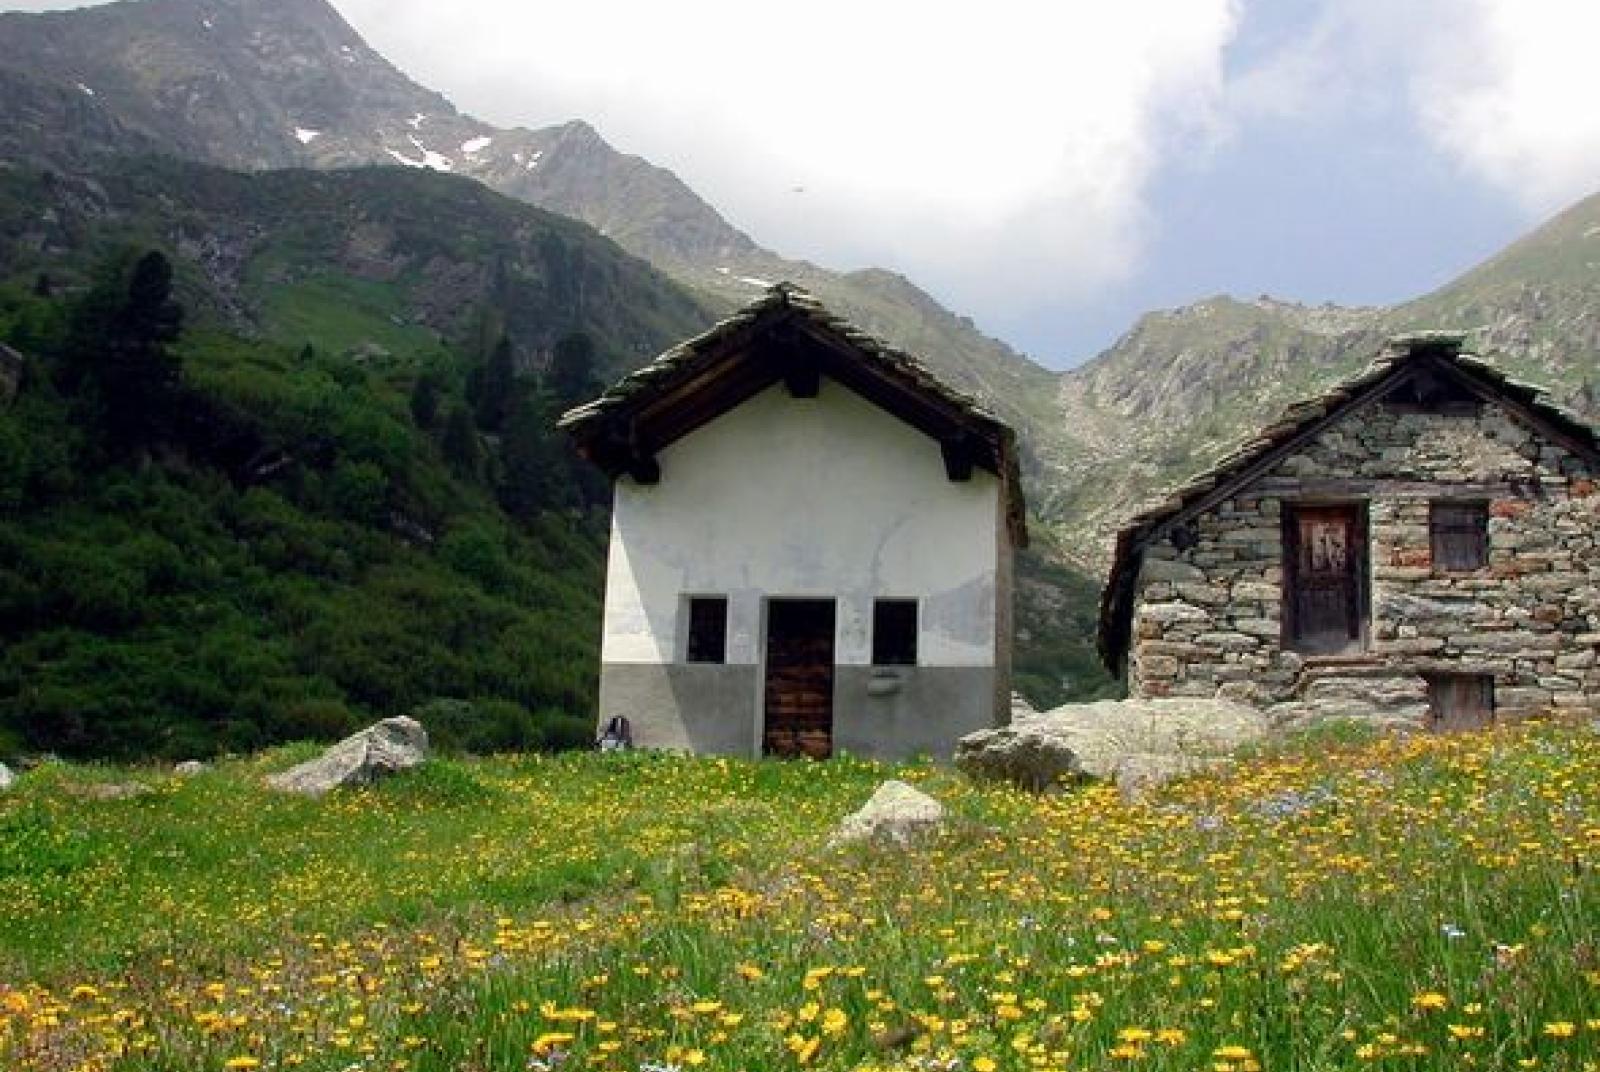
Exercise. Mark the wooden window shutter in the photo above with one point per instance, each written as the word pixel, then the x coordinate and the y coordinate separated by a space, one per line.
pixel 1459 533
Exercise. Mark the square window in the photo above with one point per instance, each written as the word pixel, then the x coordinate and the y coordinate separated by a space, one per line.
pixel 894 632
pixel 708 630
pixel 1459 533
pixel 1460 701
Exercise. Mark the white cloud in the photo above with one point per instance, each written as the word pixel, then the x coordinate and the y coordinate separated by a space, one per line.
pixel 1515 99
pixel 997 152
pixel 1504 88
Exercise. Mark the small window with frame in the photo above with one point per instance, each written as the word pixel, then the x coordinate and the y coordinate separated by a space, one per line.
pixel 894 632
pixel 708 630
pixel 1459 534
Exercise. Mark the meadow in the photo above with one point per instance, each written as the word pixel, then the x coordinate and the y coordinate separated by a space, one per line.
pixel 1422 903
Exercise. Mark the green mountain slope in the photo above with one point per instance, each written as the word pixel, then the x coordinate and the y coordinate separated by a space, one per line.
pixel 1183 385
pixel 288 83
pixel 299 550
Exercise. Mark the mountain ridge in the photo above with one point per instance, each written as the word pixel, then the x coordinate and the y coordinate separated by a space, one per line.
pixel 253 85
pixel 1182 385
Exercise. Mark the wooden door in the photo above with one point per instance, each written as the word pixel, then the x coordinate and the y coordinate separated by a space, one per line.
pixel 799 693
pixel 1458 702
pixel 1325 584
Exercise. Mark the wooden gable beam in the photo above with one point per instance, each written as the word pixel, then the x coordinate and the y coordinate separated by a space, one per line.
pixel 958 458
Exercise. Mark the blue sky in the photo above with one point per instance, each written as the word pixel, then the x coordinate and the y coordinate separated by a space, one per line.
pixel 1353 203
pixel 1055 170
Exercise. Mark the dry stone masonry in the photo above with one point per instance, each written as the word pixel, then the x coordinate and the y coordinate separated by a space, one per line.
pixel 1209 602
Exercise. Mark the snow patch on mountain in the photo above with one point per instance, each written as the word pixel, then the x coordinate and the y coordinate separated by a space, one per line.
pixel 306 136
pixel 476 145
pixel 428 159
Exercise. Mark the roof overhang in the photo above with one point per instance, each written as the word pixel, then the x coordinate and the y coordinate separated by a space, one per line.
pixel 788 337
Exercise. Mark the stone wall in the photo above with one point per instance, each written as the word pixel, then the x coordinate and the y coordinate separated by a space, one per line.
pixel 1209 618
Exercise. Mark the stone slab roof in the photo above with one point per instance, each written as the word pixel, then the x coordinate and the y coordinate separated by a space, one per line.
pixel 1403 356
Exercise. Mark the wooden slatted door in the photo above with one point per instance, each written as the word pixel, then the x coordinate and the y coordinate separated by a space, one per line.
pixel 799 701
pixel 1325 587
pixel 1458 702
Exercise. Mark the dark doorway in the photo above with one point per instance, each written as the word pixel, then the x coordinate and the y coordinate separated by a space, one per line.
pixel 1325 578
pixel 799 703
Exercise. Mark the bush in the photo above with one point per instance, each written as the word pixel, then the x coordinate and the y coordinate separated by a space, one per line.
pixel 479 727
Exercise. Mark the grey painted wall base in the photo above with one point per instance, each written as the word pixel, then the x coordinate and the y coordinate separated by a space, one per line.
pixel 703 708
pixel 878 712
pixel 927 711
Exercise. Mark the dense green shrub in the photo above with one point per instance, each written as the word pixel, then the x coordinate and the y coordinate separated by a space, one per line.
pixel 176 602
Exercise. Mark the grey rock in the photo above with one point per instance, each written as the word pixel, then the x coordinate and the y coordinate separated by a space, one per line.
pixel 1020 707
pixel 113 790
pixel 189 768
pixel 382 749
pixel 1025 753
pixel 1130 741
pixel 7 779
pixel 1167 613
pixel 897 814
pixel 1166 569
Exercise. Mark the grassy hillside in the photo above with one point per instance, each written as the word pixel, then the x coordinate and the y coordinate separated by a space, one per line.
pixel 299 543
pixel 1310 909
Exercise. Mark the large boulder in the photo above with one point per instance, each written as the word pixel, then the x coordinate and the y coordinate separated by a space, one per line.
pixel 7 779
pixel 897 814
pixel 1029 752
pixel 1137 743
pixel 382 749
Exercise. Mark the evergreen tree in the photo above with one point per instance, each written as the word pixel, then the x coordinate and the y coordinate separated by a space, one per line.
pixel 460 445
pixel 533 460
pixel 425 400
pixel 571 378
pixel 491 386
pixel 117 354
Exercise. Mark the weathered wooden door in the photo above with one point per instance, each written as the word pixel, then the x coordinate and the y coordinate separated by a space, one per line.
pixel 1458 702
pixel 799 701
pixel 1325 584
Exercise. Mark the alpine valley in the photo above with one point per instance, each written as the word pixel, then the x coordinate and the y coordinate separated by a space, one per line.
pixel 330 516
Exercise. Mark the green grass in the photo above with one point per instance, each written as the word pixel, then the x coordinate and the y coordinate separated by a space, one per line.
pixel 1416 904
pixel 342 314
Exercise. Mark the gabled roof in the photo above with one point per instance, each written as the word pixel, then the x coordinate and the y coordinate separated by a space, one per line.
pixel 1423 358
pixel 787 335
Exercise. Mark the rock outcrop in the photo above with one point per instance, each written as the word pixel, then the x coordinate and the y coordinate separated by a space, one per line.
pixel 382 749
pixel 1137 743
pixel 7 779
pixel 189 768
pixel 897 814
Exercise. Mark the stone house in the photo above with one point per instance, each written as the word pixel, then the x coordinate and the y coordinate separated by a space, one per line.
pixel 1418 546
pixel 811 543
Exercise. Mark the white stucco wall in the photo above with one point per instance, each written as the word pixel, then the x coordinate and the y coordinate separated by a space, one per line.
pixel 828 497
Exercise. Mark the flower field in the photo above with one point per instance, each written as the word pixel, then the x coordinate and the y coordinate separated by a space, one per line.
pixel 1427 903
